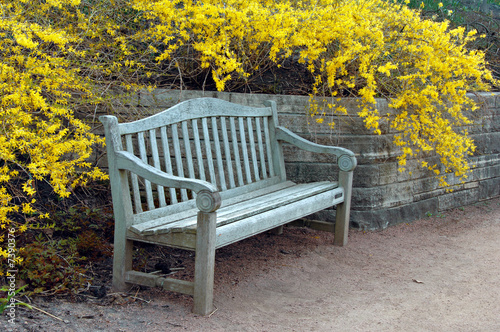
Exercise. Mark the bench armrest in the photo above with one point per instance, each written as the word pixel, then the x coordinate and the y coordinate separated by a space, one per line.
pixel 345 158
pixel 126 160
pixel 208 197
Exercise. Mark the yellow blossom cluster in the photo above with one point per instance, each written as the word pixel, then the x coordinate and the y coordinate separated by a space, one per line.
pixel 367 48
pixel 40 138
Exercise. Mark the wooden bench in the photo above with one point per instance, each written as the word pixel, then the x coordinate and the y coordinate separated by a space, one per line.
pixel 206 173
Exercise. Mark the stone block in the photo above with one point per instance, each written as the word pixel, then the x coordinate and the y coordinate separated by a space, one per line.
pixel 383 218
pixel 458 198
pixel 489 188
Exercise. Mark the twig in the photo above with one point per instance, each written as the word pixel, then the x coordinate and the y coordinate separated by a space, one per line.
pixel 45 312
pixel 213 312
pixel 138 298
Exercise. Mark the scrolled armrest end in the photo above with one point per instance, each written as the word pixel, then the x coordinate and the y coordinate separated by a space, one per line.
pixel 347 163
pixel 207 201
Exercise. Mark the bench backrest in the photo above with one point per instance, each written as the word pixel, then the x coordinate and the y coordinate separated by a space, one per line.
pixel 230 145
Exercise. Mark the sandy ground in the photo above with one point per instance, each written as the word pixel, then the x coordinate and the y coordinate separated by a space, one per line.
pixel 441 273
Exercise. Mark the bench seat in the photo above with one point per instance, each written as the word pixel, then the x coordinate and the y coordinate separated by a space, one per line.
pixel 287 200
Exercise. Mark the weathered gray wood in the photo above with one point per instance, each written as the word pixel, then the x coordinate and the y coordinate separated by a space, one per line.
pixel 239 208
pixel 204 263
pixel 253 149
pixel 151 280
pixel 208 149
pixel 244 149
pixel 227 151
pixel 277 230
pixel 289 137
pixel 123 211
pixel 168 161
pixel 193 109
pixel 263 203
pixel 342 216
pixel 185 241
pixel 261 148
pixel 268 147
pixel 187 150
pixel 144 156
pixel 229 197
pixel 178 158
pixel 156 164
pixel 218 154
pixel 236 150
pixel 134 179
pixel 253 225
pixel 278 160
pixel 229 207
pixel 199 153
pixel 128 161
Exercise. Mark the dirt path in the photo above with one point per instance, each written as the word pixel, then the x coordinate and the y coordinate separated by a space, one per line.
pixel 440 273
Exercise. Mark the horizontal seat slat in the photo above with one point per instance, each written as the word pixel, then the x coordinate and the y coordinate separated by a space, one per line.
pixel 190 209
pixel 257 206
pixel 238 207
pixel 265 221
pixel 191 204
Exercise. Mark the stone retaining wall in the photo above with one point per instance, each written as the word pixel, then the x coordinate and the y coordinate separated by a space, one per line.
pixel 382 196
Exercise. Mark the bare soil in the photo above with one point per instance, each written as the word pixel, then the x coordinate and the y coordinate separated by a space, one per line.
pixel 440 273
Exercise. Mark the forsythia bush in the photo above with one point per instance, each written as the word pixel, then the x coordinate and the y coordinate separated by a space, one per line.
pixel 367 48
pixel 40 138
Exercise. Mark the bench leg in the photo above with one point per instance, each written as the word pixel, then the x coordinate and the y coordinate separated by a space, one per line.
pixel 277 231
pixel 204 263
pixel 122 263
pixel 343 210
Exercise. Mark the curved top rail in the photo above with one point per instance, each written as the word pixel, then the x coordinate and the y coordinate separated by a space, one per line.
pixel 193 109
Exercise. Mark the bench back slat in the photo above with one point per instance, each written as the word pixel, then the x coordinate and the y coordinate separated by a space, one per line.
pixel 227 153
pixel 236 151
pixel 199 152
pixel 144 156
pixel 168 161
pixel 218 154
pixel 270 158
pixel 251 139
pixel 156 164
pixel 134 178
pixel 246 162
pixel 208 149
pixel 261 148
pixel 229 145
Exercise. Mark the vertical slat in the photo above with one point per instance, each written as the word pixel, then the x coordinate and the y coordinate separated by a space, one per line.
pixel 268 147
pixel 144 157
pixel 243 140
pixel 208 150
pixel 236 150
pixel 218 154
pixel 135 181
pixel 156 164
pixel 178 158
pixel 227 151
pixel 253 150
pixel 261 148
pixel 168 161
pixel 187 147
pixel 276 145
pixel 197 145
